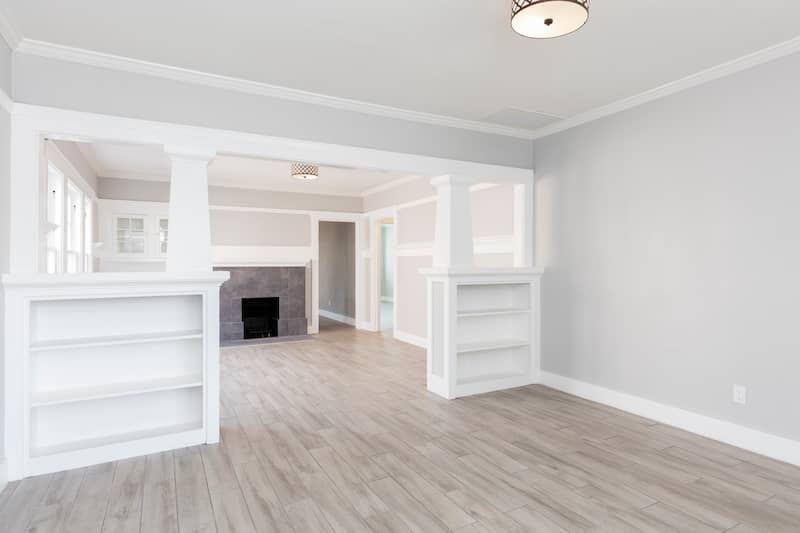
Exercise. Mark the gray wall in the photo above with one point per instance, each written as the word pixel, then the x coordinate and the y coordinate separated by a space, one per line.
pixel 5 187
pixel 337 268
pixel 5 229
pixel 5 203
pixel 5 67
pixel 158 191
pixel 670 235
pixel 63 84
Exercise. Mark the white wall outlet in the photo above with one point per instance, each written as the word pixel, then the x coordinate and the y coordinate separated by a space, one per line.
pixel 740 394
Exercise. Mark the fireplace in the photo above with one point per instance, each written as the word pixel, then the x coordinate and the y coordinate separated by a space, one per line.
pixel 260 317
pixel 261 302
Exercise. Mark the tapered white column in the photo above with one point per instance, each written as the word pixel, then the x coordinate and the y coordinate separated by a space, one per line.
pixel 189 245
pixel 453 244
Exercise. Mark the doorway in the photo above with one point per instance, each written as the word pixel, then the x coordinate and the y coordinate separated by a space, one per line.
pixel 387 274
pixel 337 273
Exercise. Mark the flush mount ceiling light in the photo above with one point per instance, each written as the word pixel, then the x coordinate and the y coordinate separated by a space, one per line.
pixel 543 19
pixel 305 171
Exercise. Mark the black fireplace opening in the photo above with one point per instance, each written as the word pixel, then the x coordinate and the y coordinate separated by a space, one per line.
pixel 260 317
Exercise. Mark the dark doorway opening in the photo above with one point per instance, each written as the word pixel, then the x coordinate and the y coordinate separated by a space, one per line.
pixel 260 317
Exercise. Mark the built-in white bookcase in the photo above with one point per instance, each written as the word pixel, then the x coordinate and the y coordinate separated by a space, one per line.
pixel 111 371
pixel 484 328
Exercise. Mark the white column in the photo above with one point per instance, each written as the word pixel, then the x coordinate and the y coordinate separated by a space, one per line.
pixel 453 244
pixel 189 246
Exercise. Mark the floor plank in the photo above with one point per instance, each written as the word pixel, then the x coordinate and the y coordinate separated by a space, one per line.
pixel 338 433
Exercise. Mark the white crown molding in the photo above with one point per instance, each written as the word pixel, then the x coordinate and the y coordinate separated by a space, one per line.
pixel 390 185
pixel 739 64
pixel 12 37
pixel 137 66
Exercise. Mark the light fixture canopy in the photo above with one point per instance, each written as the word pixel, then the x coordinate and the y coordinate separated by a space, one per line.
pixel 305 171
pixel 543 19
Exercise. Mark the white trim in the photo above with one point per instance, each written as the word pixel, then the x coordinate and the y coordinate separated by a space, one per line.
pixel 773 446
pixel 97 59
pixel 6 102
pixel 495 244
pixel 428 199
pixel 232 256
pixel 136 66
pixel 79 125
pixel 410 338
pixel 337 317
pixel 739 64
pixel 12 37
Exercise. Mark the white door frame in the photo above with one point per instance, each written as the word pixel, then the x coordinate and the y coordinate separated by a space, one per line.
pixel 358 220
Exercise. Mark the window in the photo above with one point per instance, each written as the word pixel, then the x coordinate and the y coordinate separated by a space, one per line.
pixel 55 220
pixel 131 237
pixel 88 246
pixel 68 222
pixel 163 235
pixel 74 228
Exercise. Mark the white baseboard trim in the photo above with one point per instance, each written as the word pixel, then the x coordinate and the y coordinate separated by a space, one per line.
pixel 337 317
pixel 773 446
pixel 410 338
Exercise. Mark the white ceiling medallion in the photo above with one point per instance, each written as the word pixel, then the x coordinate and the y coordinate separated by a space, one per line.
pixel 543 19
pixel 305 171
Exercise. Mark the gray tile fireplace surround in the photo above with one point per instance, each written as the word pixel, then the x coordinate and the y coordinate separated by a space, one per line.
pixel 287 283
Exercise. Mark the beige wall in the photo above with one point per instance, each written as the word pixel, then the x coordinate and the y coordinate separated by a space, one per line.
pixel 412 314
pixel 256 228
pixel 493 211
pixel 337 268
pixel 416 224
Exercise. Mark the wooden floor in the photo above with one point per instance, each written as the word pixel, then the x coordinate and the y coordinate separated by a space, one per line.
pixel 339 434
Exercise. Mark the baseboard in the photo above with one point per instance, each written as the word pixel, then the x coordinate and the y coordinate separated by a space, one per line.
pixel 337 317
pixel 773 446
pixel 411 338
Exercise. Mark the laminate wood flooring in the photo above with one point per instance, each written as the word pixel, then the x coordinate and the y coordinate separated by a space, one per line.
pixel 339 434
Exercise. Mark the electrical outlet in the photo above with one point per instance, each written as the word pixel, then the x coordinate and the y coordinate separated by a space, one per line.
pixel 740 394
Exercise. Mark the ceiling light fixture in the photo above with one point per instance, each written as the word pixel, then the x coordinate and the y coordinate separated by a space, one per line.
pixel 543 19
pixel 305 171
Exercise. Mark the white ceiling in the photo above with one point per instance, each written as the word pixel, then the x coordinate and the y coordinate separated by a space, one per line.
pixel 457 58
pixel 149 162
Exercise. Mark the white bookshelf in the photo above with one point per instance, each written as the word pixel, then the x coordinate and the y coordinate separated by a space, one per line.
pixel 111 366
pixel 484 328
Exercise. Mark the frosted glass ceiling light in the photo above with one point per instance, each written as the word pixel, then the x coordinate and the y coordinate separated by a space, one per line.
pixel 305 171
pixel 543 19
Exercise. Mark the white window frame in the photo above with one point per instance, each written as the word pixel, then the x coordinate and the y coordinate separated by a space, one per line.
pixel 145 235
pixel 159 242
pixel 54 216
